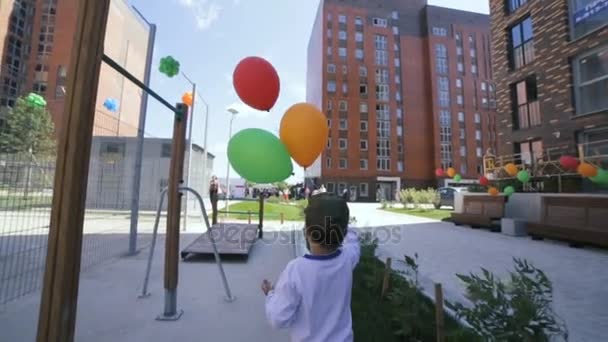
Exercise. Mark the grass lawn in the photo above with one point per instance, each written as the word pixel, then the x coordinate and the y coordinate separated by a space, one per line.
pixel 436 214
pixel 272 211
pixel 17 201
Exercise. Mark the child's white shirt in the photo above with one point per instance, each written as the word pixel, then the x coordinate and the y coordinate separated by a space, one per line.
pixel 313 295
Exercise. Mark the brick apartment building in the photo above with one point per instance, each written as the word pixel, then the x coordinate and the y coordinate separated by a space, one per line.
pixel 37 37
pixel 551 67
pixel 406 88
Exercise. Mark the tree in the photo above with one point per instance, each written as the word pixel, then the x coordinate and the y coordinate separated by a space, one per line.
pixel 29 130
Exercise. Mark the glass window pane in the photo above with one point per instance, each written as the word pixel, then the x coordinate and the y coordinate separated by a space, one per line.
pixel 527 29
pixel 516 35
pixel 594 66
pixel 593 97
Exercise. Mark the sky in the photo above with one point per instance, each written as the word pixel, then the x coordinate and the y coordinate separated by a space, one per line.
pixel 209 38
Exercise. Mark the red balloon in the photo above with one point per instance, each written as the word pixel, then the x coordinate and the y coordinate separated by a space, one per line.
pixel 568 162
pixel 439 173
pixel 256 83
pixel 483 180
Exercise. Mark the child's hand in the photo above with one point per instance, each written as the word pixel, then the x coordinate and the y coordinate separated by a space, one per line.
pixel 266 286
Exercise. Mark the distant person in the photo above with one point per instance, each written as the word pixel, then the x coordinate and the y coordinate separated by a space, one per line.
pixel 345 195
pixel 313 295
pixel 322 189
pixel 214 188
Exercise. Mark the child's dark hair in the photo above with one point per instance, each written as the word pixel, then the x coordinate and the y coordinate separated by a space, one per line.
pixel 327 219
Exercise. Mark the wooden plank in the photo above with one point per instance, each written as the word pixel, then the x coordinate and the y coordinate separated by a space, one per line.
pixel 57 316
pixel 176 174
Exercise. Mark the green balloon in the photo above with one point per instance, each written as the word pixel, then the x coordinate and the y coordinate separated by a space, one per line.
pixel 601 178
pixel 509 190
pixel 259 156
pixel 457 177
pixel 523 176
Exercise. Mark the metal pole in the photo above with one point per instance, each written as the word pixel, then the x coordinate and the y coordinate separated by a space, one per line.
pixel 206 153
pixel 144 291
pixel 228 170
pixel 143 109
pixel 189 149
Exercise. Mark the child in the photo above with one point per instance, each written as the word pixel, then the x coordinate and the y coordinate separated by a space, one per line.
pixel 312 297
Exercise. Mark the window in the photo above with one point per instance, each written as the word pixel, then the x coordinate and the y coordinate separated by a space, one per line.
pixel 397 62
pixel 463 151
pixel 399 113
pixel 383 164
pixel 379 22
pixel 382 92
pixel 473 53
pixel 331 68
pixel 521 49
pixel 363 145
pixel 398 97
pixel 513 5
pixel 358 36
pixel 395 30
pixel 595 142
pixel 441 58
pixel 330 105
pixel 341 187
pixel 358 21
pixel 40 87
pixel 363 164
pixel 395 47
pixel 478 135
pixel 363 71
pixel 359 54
pixel 328 16
pixel 463 168
pixel 483 86
pixel 381 57
pixel 364 188
pixel 331 187
pixel 459 100
pixel 62 72
pixel 342 52
pixel 363 107
pixel 342 35
pixel 399 131
pixel 381 76
pixel 343 163
pixel 329 33
pixel 363 89
pixel 444 99
pixel 459 83
pixel 329 53
pixel 363 126
pixel 344 88
pixel 344 70
pixel 460 67
pixel 397 79
pixel 165 151
pixel 342 18
pixel 531 151
pixel 462 133
pixel 380 42
pixel 439 31
pixel 395 15
pixel 328 165
pixel 477 118
pixel 343 105
pixel 400 166
pixel 328 143
pixel 460 116
pixel 474 69
pixel 591 81
pixel 342 144
pixel 587 16
pixel 524 100
pixel 445 118
pixel 479 152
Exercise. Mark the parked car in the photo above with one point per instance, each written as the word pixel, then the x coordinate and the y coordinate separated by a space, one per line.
pixel 446 196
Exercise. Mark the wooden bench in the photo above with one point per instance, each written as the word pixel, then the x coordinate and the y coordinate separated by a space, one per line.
pixel 481 211
pixel 578 220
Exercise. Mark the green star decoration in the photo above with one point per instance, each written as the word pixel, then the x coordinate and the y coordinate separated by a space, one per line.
pixel 169 66
pixel 34 99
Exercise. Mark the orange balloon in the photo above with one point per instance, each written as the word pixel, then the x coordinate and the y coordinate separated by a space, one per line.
pixel 587 170
pixel 451 172
pixel 493 191
pixel 304 132
pixel 188 99
pixel 511 169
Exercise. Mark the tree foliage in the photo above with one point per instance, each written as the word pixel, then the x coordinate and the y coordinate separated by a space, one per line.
pixel 29 130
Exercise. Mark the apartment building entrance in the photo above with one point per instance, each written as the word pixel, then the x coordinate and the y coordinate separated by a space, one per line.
pixel 386 188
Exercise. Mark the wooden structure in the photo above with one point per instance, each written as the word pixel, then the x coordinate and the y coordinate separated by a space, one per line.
pixel 57 318
pixel 579 220
pixel 481 211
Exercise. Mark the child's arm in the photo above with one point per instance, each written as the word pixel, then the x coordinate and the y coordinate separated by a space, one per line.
pixel 351 248
pixel 282 302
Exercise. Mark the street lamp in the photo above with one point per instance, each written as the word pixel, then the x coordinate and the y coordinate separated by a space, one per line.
pixel 233 112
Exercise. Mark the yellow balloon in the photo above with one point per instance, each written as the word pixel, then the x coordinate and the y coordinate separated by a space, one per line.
pixel 451 172
pixel 304 132
pixel 187 99
pixel 493 191
pixel 511 169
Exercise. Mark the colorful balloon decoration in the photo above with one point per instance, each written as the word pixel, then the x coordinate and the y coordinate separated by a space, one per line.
pixel 509 190
pixel 259 156
pixel 169 66
pixel 511 169
pixel 35 100
pixel 587 170
pixel 451 172
pixel 493 191
pixel 304 132
pixel 457 177
pixel 111 104
pixel 256 83
pixel 568 162
pixel 484 181
pixel 601 178
pixel 188 99
pixel 523 176
pixel 439 172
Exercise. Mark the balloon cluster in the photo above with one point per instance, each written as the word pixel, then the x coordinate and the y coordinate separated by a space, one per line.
pixel 169 66
pixel 35 100
pixel 111 104
pixel 258 155
pixel 595 174
pixel 450 172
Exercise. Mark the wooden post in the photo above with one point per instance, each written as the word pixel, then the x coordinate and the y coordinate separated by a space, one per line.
pixel 261 224
pixel 282 218
pixel 176 173
pixel 439 321
pixel 248 216
pixel 57 316
pixel 387 277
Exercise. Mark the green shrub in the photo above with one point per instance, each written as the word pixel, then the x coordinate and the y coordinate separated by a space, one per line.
pixel 517 310
pixel 274 199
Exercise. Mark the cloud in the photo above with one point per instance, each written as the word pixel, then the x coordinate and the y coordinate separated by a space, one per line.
pixel 205 12
pixel 245 111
